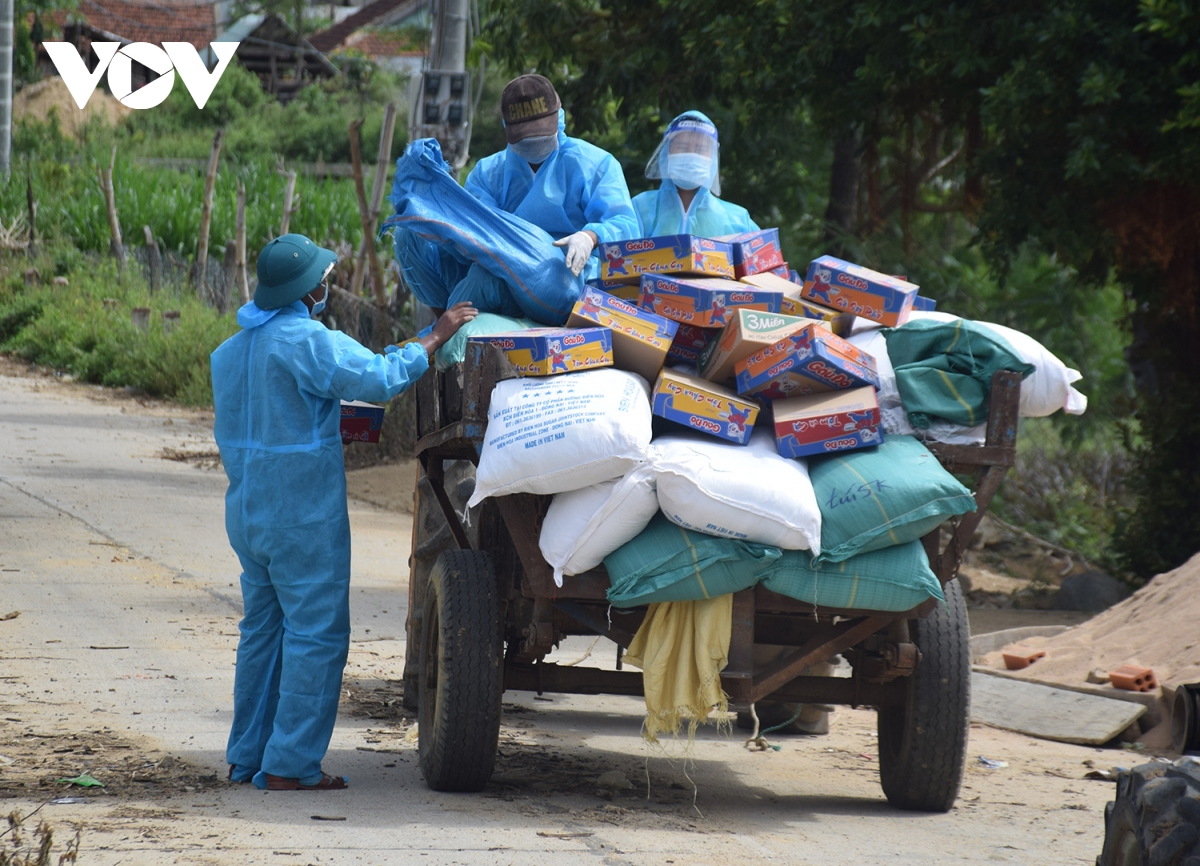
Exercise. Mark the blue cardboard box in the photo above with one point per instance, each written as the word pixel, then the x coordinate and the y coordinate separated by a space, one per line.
pixel 924 305
pixel 755 252
pixel 807 362
pixel 361 422
pixel 842 285
pixel 704 303
pixel 547 351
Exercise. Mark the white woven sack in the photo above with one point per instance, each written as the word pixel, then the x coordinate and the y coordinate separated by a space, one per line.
pixel 548 435
pixel 737 491
pixel 584 526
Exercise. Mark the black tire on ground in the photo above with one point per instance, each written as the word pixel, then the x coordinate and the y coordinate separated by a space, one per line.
pixel 461 673
pixel 923 742
pixel 1155 820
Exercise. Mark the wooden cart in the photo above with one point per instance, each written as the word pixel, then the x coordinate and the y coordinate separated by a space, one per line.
pixel 484 612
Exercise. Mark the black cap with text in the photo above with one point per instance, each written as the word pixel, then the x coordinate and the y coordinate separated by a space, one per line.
pixel 529 106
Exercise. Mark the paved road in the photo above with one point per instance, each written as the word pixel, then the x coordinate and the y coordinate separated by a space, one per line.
pixel 123 654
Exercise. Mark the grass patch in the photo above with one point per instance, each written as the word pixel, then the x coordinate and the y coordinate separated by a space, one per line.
pixel 85 329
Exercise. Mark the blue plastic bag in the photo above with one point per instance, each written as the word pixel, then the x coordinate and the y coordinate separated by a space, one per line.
pixel 453 247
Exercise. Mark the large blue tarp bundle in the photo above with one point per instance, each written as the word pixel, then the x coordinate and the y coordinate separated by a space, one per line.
pixel 452 247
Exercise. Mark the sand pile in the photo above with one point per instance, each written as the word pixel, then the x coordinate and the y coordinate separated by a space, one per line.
pixel 35 102
pixel 1157 627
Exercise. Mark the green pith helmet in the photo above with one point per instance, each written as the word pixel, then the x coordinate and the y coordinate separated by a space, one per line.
pixel 290 267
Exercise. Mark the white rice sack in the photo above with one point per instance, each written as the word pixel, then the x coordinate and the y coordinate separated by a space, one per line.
pixel 558 433
pixel 1043 392
pixel 584 526
pixel 748 491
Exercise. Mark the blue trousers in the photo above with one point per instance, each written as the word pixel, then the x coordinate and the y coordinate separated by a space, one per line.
pixel 295 636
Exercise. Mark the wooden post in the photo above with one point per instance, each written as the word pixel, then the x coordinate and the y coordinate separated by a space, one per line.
pixel 240 239
pixel 289 190
pixel 229 274
pixel 364 210
pixel 110 207
pixel 382 161
pixel 31 246
pixel 155 258
pixel 210 180
pixel 140 316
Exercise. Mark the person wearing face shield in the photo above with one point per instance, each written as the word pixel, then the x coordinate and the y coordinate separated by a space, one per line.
pixel 687 202
pixel 277 386
pixel 571 189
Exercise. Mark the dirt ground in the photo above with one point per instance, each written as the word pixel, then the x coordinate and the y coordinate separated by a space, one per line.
pixel 118 665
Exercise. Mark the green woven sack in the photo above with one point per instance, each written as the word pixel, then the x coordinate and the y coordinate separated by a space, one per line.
pixel 944 369
pixel 878 497
pixel 455 349
pixel 669 563
pixel 892 579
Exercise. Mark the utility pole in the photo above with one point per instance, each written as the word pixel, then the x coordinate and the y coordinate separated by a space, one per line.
pixel 6 77
pixel 443 97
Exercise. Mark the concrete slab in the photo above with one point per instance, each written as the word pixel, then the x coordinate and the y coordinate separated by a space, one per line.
pixel 1049 713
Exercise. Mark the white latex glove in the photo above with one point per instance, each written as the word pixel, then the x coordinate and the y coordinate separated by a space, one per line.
pixel 579 247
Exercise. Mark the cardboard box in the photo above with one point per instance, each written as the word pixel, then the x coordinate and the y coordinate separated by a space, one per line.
pixel 794 305
pixel 809 361
pixel 701 405
pixel 546 351
pixel 824 423
pixel 616 288
pixel 747 332
pixel 842 285
pixel 361 422
pixel 782 271
pixel 705 303
pixel 640 339
pixel 690 342
pixel 754 252
pixel 925 305
pixel 627 261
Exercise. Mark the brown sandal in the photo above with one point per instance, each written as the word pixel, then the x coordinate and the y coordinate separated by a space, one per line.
pixel 244 781
pixel 327 783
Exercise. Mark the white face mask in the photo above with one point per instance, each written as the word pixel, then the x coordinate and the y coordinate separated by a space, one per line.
pixel 535 149
pixel 689 170
pixel 319 306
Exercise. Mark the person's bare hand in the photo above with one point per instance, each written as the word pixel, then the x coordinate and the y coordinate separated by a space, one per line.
pixel 447 325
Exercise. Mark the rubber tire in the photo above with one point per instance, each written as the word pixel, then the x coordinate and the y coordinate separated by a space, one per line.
pixel 1155 819
pixel 461 673
pixel 923 743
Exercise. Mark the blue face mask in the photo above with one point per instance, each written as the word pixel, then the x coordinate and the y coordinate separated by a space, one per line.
pixel 319 306
pixel 536 149
pixel 689 170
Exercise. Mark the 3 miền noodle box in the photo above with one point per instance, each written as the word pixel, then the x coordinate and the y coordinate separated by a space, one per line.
pixel 546 351
pixel 794 305
pixel 747 332
pixel 704 303
pixel 690 342
pixel 640 338
pixel 843 285
pixel 754 252
pixel 808 361
pixel 361 422
pixel 628 261
pixel 701 405
pixel 825 423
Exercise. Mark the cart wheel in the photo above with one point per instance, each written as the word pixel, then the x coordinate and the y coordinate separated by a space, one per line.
pixel 1154 819
pixel 923 742
pixel 460 674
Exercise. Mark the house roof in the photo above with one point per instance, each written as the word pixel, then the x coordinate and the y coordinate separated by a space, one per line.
pixel 336 36
pixel 376 43
pixel 129 21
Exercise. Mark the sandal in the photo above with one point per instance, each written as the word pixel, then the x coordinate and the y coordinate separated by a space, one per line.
pixel 244 781
pixel 327 783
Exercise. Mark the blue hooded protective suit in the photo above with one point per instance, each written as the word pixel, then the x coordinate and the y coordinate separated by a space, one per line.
pixel 660 212
pixel 578 187
pixel 276 391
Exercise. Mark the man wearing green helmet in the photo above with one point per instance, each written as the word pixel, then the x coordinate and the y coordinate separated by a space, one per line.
pixel 277 387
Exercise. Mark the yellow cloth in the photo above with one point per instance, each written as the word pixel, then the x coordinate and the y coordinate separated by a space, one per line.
pixel 682 648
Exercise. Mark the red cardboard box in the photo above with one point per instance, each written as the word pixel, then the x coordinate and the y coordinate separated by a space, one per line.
pixel 705 303
pixel 690 342
pixel 808 361
pixel 832 282
pixel 824 423
pixel 754 252
pixel 361 422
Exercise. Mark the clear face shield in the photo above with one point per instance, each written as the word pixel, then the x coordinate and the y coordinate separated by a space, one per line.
pixel 688 155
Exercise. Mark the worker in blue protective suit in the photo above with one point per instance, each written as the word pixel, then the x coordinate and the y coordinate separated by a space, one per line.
pixel 276 388
pixel 570 189
pixel 687 162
